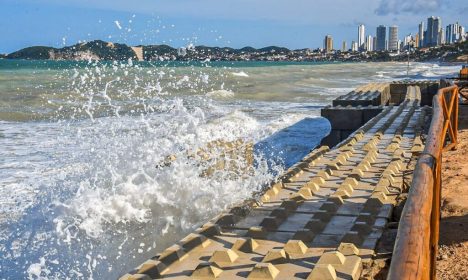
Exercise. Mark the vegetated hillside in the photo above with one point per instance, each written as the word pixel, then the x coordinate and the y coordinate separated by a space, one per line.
pixel 100 49
pixel 37 52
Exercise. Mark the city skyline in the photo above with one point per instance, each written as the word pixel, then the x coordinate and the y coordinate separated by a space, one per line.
pixel 295 24
pixel 434 35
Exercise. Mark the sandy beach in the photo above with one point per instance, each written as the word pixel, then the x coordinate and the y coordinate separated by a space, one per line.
pixel 453 245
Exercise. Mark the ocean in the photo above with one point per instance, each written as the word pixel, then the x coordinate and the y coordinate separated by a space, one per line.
pixel 82 192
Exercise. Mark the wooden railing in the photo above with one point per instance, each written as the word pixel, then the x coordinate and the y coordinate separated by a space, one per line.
pixel 415 250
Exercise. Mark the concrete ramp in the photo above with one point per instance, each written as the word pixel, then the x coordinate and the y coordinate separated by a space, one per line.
pixel 323 219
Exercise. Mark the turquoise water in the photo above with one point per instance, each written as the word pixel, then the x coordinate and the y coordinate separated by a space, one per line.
pixel 82 191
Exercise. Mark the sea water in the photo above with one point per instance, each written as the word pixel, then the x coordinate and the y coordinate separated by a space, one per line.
pixel 82 191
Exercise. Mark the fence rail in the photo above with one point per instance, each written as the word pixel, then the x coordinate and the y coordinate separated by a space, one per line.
pixel 415 250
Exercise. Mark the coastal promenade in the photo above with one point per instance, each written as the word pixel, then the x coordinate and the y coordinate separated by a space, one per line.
pixel 337 213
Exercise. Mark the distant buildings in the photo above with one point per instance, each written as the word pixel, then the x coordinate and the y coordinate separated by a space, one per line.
pixel 393 38
pixel 361 37
pixel 454 33
pixel 421 36
pixel 369 43
pixel 354 46
pixel 328 43
pixel 434 35
pixel 433 31
pixel 381 36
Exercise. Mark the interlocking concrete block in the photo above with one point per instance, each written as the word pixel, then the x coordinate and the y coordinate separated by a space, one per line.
pixel 353 237
pixel 330 207
pixel 227 219
pixel 209 230
pixel 357 174
pixel 298 197
pixel 315 225
pixel 270 223
pixel 246 245
pixel 194 240
pixel 343 117
pixel 343 193
pixel 333 258
pixel 351 182
pixel 313 187
pixel 280 213
pixel 171 255
pixel 348 249
pixel 323 272
pixel 352 268
pixel 306 192
pixel 207 271
pixel 375 202
pixel 257 232
pixel 224 257
pixel 290 205
pixel 323 216
pixel 317 180
pixel 152 268
pixel 304 235
pixel 275 256
pixel 263 271
pixel 295 247
pixel 325 174
pixel 362 228
pixel 138 277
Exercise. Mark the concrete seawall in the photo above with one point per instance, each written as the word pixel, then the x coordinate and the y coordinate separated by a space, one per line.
pixel 332 215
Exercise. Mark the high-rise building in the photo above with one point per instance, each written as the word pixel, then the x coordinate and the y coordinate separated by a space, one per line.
pixel 462 33
pixel 421 35
pixel 441 38
pixel 381 34
pixel 344 48
pixel 416 41
pixel 393 38
pixel 354 46
pixel 369 43
pixel 434 25
pixel 361 37
pixel 328 43
pixel 454 33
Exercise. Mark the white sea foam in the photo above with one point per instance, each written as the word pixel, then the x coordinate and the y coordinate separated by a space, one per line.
pixel 240 74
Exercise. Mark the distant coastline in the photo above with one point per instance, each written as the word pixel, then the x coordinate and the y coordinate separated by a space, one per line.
pixel 101 50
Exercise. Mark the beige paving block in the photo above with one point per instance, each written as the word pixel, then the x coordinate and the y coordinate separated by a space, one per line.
pixel 152 268
pixel 333 258
pixel 306 192
pixel 171 254
pixel 350 181
pixel 246 245
pixel 343 193
pixel 322 272
pixel 275 256
pixel 138 277
pixel 207 271
pixel 263 271
pixel 323 174
pixel 224 256
pixel 257 232
pixel 296 247
pixel 352 267
pixel 194 240
pixel 209 230
pixel 348 249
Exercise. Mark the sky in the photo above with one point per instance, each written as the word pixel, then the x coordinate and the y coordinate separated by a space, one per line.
pixel 234 23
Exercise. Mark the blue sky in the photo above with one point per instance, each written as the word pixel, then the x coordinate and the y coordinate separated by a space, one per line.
pixel 234 23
